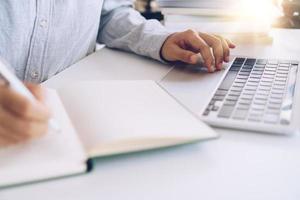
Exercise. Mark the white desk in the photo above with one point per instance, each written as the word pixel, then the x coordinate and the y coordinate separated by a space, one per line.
pixel 237 166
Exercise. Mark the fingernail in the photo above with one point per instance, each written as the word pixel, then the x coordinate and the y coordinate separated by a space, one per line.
pixel 227 59
pixel 212 69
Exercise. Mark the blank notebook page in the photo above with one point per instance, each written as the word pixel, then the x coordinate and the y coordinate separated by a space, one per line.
pixel 110 111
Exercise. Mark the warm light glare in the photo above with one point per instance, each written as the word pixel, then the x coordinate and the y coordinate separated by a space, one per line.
pixel 259 10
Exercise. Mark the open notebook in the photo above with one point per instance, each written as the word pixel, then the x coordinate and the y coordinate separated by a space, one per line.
pixel 104 118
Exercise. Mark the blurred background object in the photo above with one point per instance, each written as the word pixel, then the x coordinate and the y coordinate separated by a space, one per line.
pixel 260 9
pixel 149 9
pixel 243 21
pixel 290 18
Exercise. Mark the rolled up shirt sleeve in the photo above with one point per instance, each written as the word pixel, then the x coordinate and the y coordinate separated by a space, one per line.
pixel 124 28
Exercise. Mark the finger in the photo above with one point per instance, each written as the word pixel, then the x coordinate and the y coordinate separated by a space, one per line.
pixel 19 128
pixel 184 55
pixel 226 49
pixel 199 45
pixel 23 107
pixel 216 44
pixel 230 44
pixel 36 90
pixel 7 139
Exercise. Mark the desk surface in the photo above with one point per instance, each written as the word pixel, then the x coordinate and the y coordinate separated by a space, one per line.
pixel 237 166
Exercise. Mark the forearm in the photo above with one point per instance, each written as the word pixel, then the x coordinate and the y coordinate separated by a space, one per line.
pixel 126 29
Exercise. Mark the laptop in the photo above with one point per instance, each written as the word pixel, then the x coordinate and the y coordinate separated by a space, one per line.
pixel 258 95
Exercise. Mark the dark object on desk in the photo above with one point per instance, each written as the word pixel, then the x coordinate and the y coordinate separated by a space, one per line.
pixel 291 18
pixel 150 14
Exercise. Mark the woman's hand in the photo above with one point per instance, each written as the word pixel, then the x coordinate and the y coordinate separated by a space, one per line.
pixel 186 47
pixel 20 119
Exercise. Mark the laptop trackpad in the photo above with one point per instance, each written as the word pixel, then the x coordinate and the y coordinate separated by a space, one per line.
pixel 192 86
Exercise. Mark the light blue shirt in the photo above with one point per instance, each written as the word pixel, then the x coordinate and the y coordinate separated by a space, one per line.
pixel 40 38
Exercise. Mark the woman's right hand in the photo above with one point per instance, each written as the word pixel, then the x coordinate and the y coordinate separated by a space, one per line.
pixel 20 119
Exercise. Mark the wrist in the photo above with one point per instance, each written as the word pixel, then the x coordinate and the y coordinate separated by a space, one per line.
pixel 161 52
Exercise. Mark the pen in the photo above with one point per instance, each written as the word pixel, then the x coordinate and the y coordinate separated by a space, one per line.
pixel 15 84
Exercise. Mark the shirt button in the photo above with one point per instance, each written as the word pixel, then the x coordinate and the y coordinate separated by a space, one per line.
pixel 43 23
pixel 34 74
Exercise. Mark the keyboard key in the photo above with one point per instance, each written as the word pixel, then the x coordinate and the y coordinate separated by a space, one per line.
pixel 257 72
pixel 271 118
pixel 247 67
pixel 250 61
pixel 240 81
pixel 262 61
pixel 282 76
pixel 253 84
pixel 258 69
pixel 238 85
pixel 280 79
pixel 235 69
pixel 221 92
pixel 279 87
pixel 294 62
pixel 282 72
pixel 249 92
pixel 266 80
pixel 206 112
pixel 271 66
pixel 246 70
pixel 215 108
pixel 234 93
pixel 264 88
pixel 266 84
pixel 254 80
pixel 258 107
pixel 244 73
pixel 276 96
pixel 273 62
pixel 237 89
pixel 232 98
pixel 229 79
pixel 245 102
pixel 229 103
pixel 261 97
pixel 251 88
pixel 218 98
pixel 242 77
pixel 253 76
pixel 284 62
pixel 279 84
pixel 254 117
pixel 263 93
pixel 274 107
pixel 274 91
pixel 270 70
pixel 272 73
pixel 239 61
pixel 247 97
pixel 284 122
pixel 286 65
pixel 259 102
pixel 268 76
pixel 243 107
pixel 275 101
pixel 240 114
pixel 283 68
pixel 226 111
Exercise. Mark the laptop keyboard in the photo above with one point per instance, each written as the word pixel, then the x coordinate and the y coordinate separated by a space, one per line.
pixel 256 90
